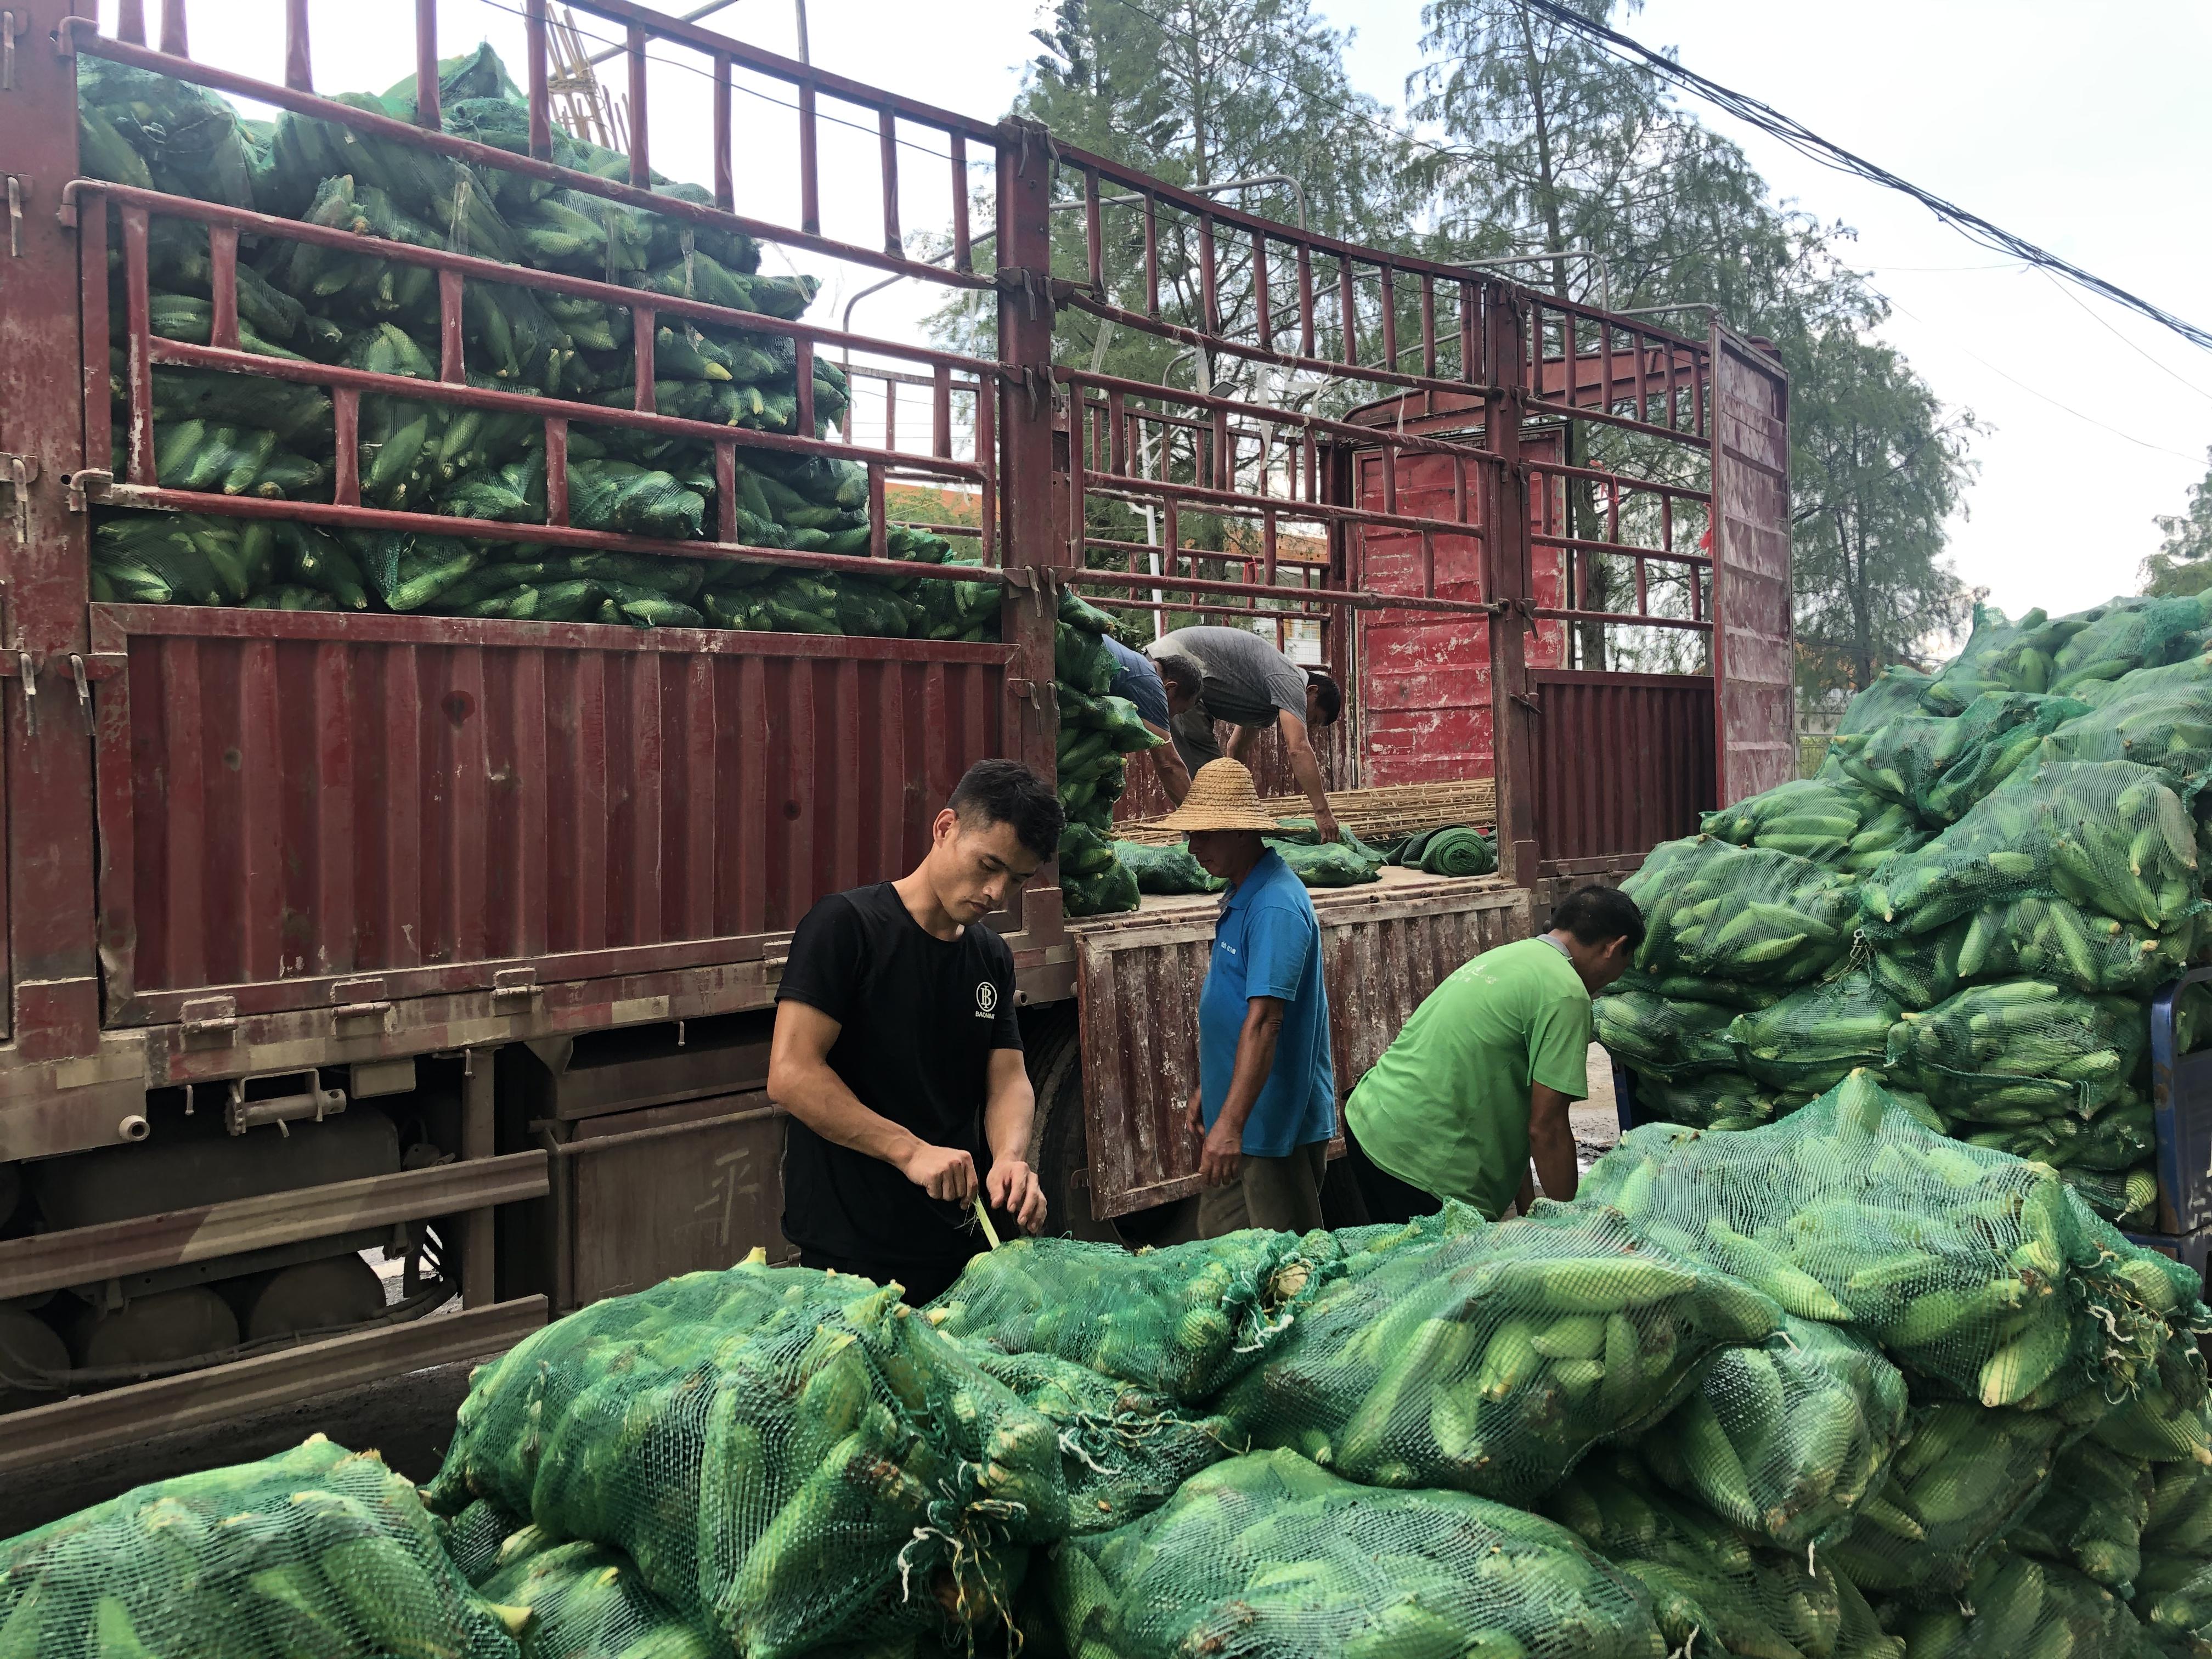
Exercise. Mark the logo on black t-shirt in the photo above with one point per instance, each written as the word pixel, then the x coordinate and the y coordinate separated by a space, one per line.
pixel 987 1000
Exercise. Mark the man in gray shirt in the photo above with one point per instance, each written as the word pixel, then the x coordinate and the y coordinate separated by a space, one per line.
pixel 1231 674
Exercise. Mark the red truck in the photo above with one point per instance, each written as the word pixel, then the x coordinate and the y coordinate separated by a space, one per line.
pixel 457 938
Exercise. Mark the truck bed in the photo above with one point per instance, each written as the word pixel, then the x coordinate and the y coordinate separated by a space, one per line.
pixel 1385 944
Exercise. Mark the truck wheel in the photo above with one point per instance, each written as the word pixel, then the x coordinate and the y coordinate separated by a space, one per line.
pixel 1057 1147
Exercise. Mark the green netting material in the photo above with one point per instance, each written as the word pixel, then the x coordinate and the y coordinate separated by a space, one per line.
pixel 2124 635
pixel 2092 1516
pixel 1491 1363
pixel 2020 1051
pixel 1829 819
pixel 1709 1588
pixel 1814 1038
pixel 2001 656
pixel 1969 1268
pixel 1664 1038
pixel 1167 869
pixel 1183 1322
pixel 1784 1441
pixel 1269 1555
pixel 588 1602
pixel 316 1551
pixel 1708 1100
pixel 1454 850
pixel 2015 1605
pixel 1940 766
pixel 786 1453
pixel 1123 1450
pixel 1718 912
pixel 2111 836
pixel 2161 717
pixel 2037 938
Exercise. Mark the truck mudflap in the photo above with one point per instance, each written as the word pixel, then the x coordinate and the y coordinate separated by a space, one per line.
pixel 1384 947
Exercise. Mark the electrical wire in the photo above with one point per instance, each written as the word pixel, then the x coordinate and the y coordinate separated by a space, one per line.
pixel 1810 144
pixel 2076 299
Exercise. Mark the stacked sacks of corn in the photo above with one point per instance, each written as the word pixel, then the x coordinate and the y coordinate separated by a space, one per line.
pixel 315 1551
pixel 2048 884
pixel 1098 730
pixel 1731 930
pixel 788 1457
pixel 2030 1339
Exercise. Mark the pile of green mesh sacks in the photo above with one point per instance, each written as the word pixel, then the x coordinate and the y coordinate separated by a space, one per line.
pixel 236 435
pixel 1996 868
pixel 1839 1387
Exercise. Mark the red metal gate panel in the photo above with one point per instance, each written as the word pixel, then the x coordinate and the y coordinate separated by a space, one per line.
pixel 1753 651
pixel 287 801
pixel 1425 702
pixel 1627 763
pixel 1384 948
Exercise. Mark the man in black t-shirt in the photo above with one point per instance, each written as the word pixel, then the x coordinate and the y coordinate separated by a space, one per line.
pixel 897 1055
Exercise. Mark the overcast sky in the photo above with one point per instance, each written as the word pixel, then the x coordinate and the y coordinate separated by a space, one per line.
pixel 2090 140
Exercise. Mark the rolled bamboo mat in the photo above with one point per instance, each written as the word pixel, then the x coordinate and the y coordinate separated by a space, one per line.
pixel 1385 814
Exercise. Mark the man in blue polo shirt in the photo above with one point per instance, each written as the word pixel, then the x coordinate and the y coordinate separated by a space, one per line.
pixel 1266 1101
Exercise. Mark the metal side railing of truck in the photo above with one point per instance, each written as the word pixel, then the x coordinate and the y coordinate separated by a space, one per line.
pixel 517 892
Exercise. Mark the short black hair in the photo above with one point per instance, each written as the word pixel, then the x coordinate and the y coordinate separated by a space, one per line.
pixel 1326 691
pixel 1007 792
pixel 1598 915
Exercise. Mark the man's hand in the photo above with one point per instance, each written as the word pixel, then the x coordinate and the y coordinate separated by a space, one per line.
pixel 1221 1159
pixel 1012 1188
pixel 1325 821
pixel 941 1171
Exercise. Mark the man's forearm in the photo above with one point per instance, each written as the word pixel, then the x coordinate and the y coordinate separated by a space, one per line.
pixel 1305 767
pixel 1256 1060
pixel 817 1098
pixel 1241 742
pixel 1173 776
pixel 1008 1118
pixel 1552 1145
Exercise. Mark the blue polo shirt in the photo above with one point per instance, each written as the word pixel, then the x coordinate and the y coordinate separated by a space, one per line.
pixel 1268 944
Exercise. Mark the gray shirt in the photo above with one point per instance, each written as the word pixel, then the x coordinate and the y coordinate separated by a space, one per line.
pixel 1243 679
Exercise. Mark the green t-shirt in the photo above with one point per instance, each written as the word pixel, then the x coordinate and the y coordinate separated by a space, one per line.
pixel 1446 1109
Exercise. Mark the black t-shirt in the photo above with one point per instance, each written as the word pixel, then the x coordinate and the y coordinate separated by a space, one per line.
pixel 920 1017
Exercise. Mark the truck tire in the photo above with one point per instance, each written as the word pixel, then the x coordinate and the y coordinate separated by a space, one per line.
pixel 1053 1044
pixel 1060 1146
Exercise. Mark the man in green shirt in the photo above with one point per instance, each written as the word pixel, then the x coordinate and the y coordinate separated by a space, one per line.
pixel 1481 1077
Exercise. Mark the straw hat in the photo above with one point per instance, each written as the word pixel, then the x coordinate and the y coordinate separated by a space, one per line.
pixel 1221 798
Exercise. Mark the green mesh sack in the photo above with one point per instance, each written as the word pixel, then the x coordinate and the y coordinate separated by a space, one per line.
pixel 2013 1605
pixel 1813 1039
pixel 1182 1322
pixel 1123 1450
pixel 2158 717
pixel 315 1551
pixel 191 140
pixel 1895 692
pixel 620 496
pixel 1969 1267
pixel 2110 836
pixel 1708 1588
pixel 2091 1516
pixel 2037 938
pixel 587 1601
pixel 786 1453
pixel 1735 994
pixel 2172 1587
pixel 1784 1441
pixel 1492 1362
pixel 2124 635
pixel 1659 1037
pixel 1165 869
pixel 2000 656
pixel 2019 1050
pixel 1816 818
pixel 1940 766
pixel 1708 1100
pixel 2126 1198
pixel 1962 1477
pixel 1349 862
pixel 1112 892
pixel 1718 912
pixel 1267 1555
pixel 474 1538
pixel 2165 1417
